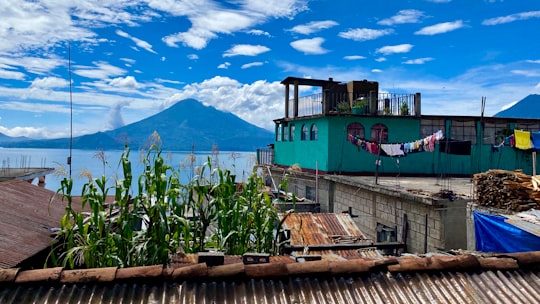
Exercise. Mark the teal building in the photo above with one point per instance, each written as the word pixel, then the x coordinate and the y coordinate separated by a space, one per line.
pixel 353 128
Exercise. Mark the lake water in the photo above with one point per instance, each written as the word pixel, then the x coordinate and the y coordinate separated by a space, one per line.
pixel 84 161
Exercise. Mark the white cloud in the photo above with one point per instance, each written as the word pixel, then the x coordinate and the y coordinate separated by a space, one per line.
pixel 440 28
pixel 245 50
pixel 49 82
pixel 259 33
pixel 311 46
pixel 161 80
pixel 380 59
pixel 512 18
pixel 100 70
pixel 252 64
pixel 208 18
pixel 354 57
pixel 5 74
pixel 35 65
pixel 376 71
pixel 115 119
pixel 253 102
pixel 313 27
pixel 526 73
pixel 140 43
pixel 393 49
pixel 402 17
pixel 418 60
pixel 224 65
pixel 192 56
pixel 364 34
pixel 128 82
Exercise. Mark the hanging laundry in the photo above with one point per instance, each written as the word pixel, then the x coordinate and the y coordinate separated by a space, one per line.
pixel 523 139
pixel 397 149
pixel 392 149
pixel 535 136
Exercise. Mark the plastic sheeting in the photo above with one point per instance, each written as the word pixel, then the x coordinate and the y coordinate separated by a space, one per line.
pixel 494 235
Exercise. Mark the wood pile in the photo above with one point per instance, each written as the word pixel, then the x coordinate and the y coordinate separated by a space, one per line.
pixel 510 190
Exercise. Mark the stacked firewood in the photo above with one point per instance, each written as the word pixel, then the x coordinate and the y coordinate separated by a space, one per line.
pixel 510 190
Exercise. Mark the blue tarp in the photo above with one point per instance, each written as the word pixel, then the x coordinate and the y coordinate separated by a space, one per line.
pixel 494 235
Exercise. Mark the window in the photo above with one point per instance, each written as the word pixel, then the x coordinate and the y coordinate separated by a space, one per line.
pixel 430 126
pixel 528 126
pixel 356 129
pixel 278 132
pixel 379 133
pixel 495 133
pixel 303 136
pixel 464 130
pixel 285 133
pixel 386 233
pixel 311 193
pixel 313 134
pixel 291 133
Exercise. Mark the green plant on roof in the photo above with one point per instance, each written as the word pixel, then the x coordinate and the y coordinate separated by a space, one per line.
pixel 360 103
pixel 343 107
pixel 404 109
pixel 164 218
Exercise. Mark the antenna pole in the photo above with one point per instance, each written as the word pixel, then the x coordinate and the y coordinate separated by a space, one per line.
pixel 70 111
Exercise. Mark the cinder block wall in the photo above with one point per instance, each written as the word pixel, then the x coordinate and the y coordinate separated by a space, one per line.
pixel 372 207
pixel 370 204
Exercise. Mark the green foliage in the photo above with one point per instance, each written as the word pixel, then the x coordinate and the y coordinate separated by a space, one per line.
pixel 164 218
pixel 404 108
pixel 343 107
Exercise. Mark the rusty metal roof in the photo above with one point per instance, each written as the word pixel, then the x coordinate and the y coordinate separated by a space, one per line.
pixel 322 228
pixel 467 278
pixel 26 220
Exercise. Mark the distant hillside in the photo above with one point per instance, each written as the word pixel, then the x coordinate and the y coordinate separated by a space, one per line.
pixel 5 138
pixel 184 125
pixel 528 107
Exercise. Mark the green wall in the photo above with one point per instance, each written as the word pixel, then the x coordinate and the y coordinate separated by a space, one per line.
pixel 335 154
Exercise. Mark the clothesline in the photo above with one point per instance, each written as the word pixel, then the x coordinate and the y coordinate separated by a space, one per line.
pixel 397 149
pixel 523 140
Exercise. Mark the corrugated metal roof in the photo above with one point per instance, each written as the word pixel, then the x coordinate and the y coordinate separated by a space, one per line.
pixel 380 287
pixel 26 220
pixel 508 278
pixel 323 228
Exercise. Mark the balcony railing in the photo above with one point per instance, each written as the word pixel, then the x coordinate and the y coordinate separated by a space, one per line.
pixel 265 156
pixel 339 104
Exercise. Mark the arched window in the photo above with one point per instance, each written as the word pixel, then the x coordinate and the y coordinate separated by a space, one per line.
pixel 379 133
pixel 291 133
pixel 303 136
pixel 313 133
pixel 356 129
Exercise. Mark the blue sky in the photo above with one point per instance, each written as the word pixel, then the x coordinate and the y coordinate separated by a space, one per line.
pixel 132 59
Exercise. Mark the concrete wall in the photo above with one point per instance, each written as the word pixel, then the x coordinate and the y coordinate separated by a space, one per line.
pixel 371 204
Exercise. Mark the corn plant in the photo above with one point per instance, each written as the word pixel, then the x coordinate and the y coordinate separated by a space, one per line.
pixel 164 217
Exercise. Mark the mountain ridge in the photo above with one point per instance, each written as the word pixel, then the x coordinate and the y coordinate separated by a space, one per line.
pixel 528 107
pixel 186 125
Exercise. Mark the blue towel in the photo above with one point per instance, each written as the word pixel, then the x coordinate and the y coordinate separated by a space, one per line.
pixel 536 140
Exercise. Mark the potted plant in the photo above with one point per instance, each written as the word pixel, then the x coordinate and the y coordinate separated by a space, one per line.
pixel 359 106
pixel 404 109
pixel 343 107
